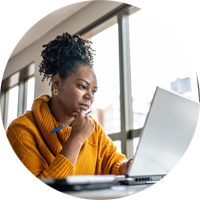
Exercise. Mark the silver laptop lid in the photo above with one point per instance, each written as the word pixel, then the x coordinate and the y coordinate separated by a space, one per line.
pixel 167 133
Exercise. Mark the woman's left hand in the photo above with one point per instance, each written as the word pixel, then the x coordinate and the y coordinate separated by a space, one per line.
pixel 123 169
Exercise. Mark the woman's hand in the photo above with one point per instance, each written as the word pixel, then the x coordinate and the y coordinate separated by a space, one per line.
pixel 82 127
pixel 123 169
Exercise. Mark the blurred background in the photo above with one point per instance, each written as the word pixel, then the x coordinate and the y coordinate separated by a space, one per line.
pixel 135 52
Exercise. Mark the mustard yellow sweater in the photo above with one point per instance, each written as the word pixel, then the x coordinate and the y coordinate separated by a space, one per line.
pixel 39 150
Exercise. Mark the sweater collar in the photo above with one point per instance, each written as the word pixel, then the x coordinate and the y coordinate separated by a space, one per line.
pixel 46 123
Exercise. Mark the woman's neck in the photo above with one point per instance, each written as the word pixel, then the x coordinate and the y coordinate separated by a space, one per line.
pixel 58 112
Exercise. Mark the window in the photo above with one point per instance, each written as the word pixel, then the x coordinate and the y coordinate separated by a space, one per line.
pixel 106 106
pixel 30 93
pixel 17 94
pixel 157 59
pixel 12 104
pixel 117 143
pixel 138 53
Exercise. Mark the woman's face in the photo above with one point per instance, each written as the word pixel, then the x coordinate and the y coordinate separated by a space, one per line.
pixel 77 91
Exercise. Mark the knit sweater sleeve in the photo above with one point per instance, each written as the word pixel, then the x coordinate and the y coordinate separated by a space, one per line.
pixel 108 156
pixel 25 146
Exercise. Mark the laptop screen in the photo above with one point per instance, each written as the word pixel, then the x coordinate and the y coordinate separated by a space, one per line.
pixel 167 133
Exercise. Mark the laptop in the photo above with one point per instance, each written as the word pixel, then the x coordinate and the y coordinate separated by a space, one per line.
pixel 166 135
pixel 168 130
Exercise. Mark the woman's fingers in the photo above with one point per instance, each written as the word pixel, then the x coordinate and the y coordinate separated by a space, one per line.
pixel 83 126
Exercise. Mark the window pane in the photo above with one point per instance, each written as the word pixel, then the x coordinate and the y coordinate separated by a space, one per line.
pixel 12 104
pixel 106 106
pixel 30 93
pixel 117 143
pixel 158 58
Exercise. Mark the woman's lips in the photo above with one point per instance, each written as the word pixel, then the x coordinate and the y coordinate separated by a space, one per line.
pixel 84 107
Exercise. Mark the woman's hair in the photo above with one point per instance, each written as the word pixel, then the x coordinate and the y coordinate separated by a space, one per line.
pixel 64 55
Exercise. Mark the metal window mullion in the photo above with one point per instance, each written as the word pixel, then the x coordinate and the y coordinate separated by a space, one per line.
pixel 125 81
pixel 115 136
pixel 25 95
pixel 5 117
pixel 3 106
pixel 134 133
pixel 21 98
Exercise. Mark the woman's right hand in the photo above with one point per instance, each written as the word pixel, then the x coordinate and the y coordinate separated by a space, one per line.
pixel 82 127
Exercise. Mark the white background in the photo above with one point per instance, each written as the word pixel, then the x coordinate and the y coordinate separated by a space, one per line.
pixel 17 17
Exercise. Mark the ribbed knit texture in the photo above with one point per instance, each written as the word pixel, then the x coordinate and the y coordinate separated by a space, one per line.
pixel 31 138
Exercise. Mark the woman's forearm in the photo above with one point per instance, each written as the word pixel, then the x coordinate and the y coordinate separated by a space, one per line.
pixel 71 149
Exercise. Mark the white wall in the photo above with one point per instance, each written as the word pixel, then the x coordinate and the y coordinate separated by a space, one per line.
pixel 73 24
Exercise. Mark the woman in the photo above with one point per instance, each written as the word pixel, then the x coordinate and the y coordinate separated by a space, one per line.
pixel 80 149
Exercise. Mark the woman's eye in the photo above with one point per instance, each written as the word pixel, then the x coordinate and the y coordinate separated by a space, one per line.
pixel 82 87
pixel 93 92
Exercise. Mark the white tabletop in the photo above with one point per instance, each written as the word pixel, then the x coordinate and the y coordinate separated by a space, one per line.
pixel 113 192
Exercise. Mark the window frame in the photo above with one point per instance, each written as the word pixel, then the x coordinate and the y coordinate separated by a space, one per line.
pixel 122 15
pixel 127 133
pixel 18 78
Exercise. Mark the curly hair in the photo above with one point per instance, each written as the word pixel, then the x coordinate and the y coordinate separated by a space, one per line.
pixel 64 54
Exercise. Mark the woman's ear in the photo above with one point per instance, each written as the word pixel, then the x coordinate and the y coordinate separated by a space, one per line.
pixel 56 82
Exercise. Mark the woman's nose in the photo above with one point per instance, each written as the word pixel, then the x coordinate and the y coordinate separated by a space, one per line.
pixel 89 95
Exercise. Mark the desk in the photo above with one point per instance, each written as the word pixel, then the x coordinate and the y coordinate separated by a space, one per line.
pixel 110 193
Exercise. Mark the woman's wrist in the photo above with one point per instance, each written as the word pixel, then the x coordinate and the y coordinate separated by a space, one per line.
pixel 76 138
pixel 123 169
pixel 71 149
